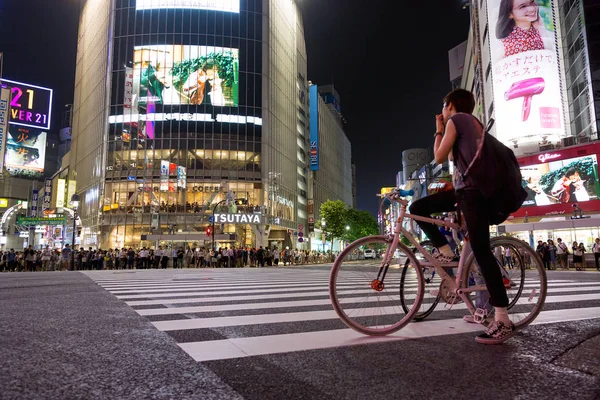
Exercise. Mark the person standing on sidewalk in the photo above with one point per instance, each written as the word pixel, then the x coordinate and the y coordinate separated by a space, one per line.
pixel 144 258
pixel 596 250
pixel 552 253
pixel 562 253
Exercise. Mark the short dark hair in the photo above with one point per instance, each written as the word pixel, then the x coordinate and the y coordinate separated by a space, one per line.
pixel 462 99
pixel 571 171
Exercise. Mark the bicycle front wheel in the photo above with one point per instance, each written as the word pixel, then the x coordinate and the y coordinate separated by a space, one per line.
pixel 524 279
pixel 365 294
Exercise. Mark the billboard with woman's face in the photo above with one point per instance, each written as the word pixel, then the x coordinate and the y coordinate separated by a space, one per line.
pixel 185 75
pixel 525 71
pixel 573 180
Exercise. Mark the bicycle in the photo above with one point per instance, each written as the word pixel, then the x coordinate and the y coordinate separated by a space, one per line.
pixel 379 297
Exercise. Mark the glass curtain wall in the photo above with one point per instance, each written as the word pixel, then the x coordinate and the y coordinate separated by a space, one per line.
pixel 185 121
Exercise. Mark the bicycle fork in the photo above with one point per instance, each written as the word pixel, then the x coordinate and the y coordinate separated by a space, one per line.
pixel 377 283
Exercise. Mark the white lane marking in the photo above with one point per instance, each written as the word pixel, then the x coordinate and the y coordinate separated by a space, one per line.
pixel 191 292
pixel 285 343
pixel 257 284
pixel 224 299
pixel 319 302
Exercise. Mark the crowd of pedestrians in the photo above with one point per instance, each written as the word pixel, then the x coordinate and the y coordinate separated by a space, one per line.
pixel 563 256
pixel 48 259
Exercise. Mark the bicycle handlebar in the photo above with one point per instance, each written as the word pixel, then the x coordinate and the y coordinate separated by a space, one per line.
pixel 398 193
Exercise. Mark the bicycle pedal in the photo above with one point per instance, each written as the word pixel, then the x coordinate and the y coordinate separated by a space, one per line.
pixel 480 315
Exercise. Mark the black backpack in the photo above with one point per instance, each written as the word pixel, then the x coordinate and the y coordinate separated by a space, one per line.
pixel 496 172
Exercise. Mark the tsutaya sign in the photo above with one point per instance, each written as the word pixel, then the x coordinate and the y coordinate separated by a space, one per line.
pixel 239 219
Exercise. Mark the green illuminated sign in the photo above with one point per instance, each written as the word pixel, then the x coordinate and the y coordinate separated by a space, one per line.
pixel 26 221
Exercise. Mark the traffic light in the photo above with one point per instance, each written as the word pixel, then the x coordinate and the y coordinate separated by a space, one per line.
pixel 209 231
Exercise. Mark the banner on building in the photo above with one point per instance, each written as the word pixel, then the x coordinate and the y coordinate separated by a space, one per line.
pixel 311 215
pixel 525 71
pixel 47 194
pixel 71 189
pixel 34 203
pixel 60 194
pixel 314 128
pixel 4 117
pixel 128 95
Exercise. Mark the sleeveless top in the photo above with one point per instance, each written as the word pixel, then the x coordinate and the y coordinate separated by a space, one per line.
pixel 468 134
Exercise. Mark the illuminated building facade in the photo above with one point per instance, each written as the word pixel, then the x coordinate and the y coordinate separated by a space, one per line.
pixel 184 109
pixel 543 95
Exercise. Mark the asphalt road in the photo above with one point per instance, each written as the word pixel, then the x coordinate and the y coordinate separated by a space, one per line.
pixel 270 334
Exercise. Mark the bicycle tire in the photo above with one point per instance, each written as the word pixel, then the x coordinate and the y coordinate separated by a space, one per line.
pixel 430 283
pixel 529 281
pixel 351 277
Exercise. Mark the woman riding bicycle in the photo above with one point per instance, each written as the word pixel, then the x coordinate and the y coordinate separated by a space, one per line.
pixel 459 132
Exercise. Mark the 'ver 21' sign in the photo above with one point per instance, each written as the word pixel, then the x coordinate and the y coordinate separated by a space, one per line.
pixel 30 105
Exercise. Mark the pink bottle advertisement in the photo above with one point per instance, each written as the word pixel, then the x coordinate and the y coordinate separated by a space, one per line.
pixel 525 71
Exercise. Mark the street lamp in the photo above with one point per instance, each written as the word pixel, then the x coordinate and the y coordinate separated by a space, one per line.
pixel 75 204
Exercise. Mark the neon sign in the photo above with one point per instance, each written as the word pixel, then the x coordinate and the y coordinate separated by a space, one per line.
pixel 545 157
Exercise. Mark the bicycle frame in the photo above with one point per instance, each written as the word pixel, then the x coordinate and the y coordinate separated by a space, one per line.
pixel 455 284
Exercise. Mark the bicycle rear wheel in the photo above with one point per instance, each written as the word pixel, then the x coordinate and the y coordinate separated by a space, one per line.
pixel 431 280
pixel 526 285
pixel 366 295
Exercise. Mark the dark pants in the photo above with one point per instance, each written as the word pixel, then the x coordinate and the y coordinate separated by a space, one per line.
pixel 597 256
pixel 475 211
pixel 546 262
pixel 164 261
pixel 435 203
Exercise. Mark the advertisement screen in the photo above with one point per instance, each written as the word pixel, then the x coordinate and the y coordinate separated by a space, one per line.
pixel 184 75
pixel 30 105
pixel 572 180
pixel 25 152
pixel 217 5
pixel 526 80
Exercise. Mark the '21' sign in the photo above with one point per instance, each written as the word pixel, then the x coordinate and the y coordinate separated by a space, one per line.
pixel 30 105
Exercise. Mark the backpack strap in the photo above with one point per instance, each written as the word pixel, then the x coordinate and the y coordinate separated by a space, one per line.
pixel 480 147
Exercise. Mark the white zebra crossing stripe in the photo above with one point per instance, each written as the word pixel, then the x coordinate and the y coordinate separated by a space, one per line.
pixel 292 295
pixel 246 290
pixel 273 344
pixel 312 303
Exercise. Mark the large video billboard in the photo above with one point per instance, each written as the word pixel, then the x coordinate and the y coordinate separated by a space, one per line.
pixel 185 75
pixel 216 5
pixel 25 152
pixel 573 180
pixel 525 72
pixel 30 105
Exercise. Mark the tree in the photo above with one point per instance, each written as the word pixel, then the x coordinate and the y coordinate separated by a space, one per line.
pixel 333 213
pixel 361 224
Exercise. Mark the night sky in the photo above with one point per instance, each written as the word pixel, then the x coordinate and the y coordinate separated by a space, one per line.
pixel 388 59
